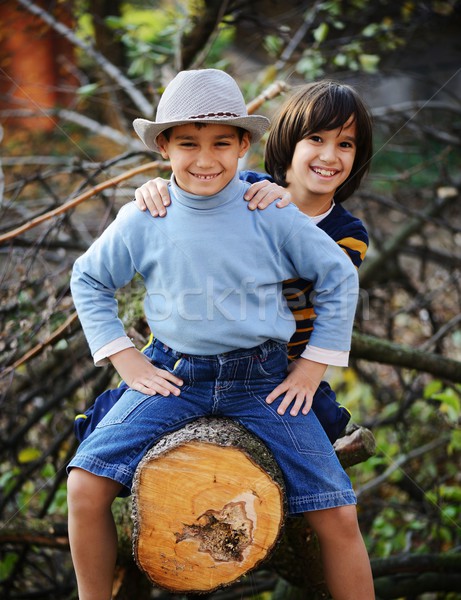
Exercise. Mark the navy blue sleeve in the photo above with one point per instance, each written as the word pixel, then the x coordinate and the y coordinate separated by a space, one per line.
pixel 253 177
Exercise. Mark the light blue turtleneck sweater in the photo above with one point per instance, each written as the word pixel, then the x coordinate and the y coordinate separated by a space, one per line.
pixel 213 271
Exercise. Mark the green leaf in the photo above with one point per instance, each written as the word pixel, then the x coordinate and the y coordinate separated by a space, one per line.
pixel 450 403
pixel 340 60
pixel 320 33
pixel 370 30
pixel 7 565
pixel 29 455
pixel 273 44
pixel 87 90
pixel 432 388
pixel 369 62
pixel 455 441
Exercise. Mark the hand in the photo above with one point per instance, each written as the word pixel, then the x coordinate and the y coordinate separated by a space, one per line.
pixel 262 193
pixel 153 196
pixel 141 375
pixel 299 387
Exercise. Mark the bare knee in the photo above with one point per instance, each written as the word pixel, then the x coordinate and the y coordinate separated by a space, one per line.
pixel 338 522
pixel 87 492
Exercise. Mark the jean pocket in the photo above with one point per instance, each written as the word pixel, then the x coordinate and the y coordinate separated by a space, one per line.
pixel 121 411
pixel 273 363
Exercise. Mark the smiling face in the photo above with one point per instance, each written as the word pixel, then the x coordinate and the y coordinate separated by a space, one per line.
pixel 321 163
pixel 204 157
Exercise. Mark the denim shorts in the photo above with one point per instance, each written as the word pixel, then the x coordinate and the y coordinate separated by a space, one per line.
pixel 234 385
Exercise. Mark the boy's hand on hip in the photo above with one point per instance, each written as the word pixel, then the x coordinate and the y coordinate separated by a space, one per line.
pixel 141 375
pixel 299 387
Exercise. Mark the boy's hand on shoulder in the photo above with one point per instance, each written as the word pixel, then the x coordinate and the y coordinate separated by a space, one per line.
pixel 262 193
pixel 153 196
pixel 299 387
pixel 141 375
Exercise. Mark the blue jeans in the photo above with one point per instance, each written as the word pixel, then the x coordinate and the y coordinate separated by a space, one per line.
pixel 235 385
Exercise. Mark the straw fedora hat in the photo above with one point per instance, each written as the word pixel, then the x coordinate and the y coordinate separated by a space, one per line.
pixel 200 96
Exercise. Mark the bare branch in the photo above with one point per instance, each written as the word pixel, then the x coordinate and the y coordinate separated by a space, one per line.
pixel 393 245
pixel 399 462
pixel 111 70
pixel 81 198
pixel 375 349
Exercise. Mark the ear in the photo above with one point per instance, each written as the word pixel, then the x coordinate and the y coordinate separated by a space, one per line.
pixel 162 143
pixel 244 144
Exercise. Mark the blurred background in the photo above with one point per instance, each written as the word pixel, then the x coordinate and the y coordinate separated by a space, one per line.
pixel 73 76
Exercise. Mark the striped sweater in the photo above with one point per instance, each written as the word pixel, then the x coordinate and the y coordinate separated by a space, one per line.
pixel 347 231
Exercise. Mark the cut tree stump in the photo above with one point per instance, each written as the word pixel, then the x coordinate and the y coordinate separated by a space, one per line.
pixel 208 507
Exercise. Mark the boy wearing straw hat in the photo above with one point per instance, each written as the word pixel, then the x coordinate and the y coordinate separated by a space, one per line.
pixel 212 271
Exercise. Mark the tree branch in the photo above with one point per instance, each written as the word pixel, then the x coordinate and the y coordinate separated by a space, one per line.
pixel 393 245
pixel 374 349
pixel 111 70
pixel 399 462
pixel 81 198
pixel 204 25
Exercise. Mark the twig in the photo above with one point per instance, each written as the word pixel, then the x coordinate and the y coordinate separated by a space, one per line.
pixel 298 36
pixel 110 69
pixel 399 462
pixel 446 327
pixel 54 337
pixel 275 89
pixel 414 225
pixel 81 198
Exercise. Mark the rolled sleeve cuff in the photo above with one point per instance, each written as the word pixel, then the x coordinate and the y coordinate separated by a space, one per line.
pixel 117 345
pixel 335 358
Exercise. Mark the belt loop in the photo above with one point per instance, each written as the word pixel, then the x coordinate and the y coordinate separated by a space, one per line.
pixel 263 350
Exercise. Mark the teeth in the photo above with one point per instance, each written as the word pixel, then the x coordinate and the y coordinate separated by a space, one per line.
pixel 205 176
pixel 324 172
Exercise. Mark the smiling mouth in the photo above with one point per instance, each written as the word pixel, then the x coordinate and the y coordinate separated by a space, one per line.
pixel 206 177
pixel 324 172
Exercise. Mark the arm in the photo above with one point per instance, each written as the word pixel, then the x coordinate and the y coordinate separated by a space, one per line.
pixel 336 303
pixel 155 197
pixel 109 264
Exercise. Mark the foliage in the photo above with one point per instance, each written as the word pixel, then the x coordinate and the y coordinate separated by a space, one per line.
pixel 409 493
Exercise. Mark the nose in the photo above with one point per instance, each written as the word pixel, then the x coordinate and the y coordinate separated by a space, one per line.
pixel 327 153
pixel 205 158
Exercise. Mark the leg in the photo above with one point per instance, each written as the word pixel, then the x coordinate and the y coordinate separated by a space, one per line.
pixel 92 533
pixel 344 556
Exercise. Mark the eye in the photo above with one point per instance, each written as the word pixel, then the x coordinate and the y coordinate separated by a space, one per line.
pixel 315 138
pixel 347 145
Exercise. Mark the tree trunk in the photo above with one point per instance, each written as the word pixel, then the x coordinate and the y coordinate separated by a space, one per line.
pixel 209 506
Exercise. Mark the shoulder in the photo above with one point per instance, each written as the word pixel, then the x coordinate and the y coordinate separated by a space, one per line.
pixel 282 217
pixel 340 224
pixel 348 232
pixel 130 212
pixel 130 218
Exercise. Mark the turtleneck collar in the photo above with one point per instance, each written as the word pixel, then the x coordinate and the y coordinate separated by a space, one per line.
pixel 235 188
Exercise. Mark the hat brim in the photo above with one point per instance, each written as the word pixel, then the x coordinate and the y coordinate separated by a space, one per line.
pixel 148 131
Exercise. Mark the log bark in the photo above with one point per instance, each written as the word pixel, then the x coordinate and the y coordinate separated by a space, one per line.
pixel 209 506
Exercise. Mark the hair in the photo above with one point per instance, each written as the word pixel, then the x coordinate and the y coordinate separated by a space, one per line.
pixel 314 107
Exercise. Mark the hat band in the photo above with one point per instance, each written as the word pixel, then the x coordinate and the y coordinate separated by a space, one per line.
pixel 218 114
